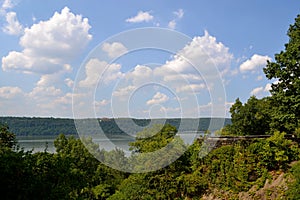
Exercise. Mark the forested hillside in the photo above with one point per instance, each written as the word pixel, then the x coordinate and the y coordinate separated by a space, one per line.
pixel 25 126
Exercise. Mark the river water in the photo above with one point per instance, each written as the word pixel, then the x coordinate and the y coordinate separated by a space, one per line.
pixel 42 143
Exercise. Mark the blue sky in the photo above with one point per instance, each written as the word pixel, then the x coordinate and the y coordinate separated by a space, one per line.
pixel 45 45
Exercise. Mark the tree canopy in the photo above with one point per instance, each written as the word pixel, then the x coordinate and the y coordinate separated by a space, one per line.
pixel 286 89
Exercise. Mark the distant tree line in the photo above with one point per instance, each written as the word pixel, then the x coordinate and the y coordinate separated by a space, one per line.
pixel 35 126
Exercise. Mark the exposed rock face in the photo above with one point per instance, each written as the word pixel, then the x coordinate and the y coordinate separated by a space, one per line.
pixel 272 190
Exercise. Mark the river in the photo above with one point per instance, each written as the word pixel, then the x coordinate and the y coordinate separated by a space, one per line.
pixel 42 143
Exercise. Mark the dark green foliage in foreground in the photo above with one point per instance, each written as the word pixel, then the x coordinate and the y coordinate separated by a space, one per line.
pixel 73 173
pixel 233 168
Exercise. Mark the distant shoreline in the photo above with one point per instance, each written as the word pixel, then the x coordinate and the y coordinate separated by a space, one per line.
pixel 40 126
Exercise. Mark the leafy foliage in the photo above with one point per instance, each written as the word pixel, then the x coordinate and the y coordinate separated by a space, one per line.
pixel 7 138
pixel 293 191
pixel 286 91
pixel 252 118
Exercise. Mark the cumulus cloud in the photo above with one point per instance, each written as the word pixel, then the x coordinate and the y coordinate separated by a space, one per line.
pixel 211 109
pixel 114 49
pixel 268 87
pixel 257 91
pixel 10 92
pixel 53 79
pixel 158 98
pixel 172 24
pixel 177 74
pixel 103 102
pixel 203 52
pixel 97 70
pixel 170 110
pixel 13 26
pixel 141 17
pixel 48 46
pixel 262 91
pixel 179 14
pixel 140 74
pixel 198 61
pixel 191 88
pixel 7 4
pixel 45 92
pixel 123 92
pixel 69 82
pixel 254 63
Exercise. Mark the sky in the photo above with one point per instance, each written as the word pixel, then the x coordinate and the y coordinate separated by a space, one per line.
pixel 143 59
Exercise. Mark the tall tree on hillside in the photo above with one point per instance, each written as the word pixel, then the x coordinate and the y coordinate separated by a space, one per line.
pixel 286 91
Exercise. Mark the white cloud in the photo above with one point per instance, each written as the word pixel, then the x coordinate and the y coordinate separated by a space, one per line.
pixel 141 17
pixel 10 92
pixel 41 92
pixel 123 92
pixel 114 50
pixel 7 4
pixel 178 75
pixel 69 82
pixel 158 98
pixel 172 24
pixel 170 110
pixel 13 26
pixel 140 74
pixel 41 101
pixel 202 52
pixel 49 45
pixel 203 59
pixel 254 63
pixel 216 110
pixel 262 91
pixel 191 88
pixel 268 87
pixel 103 102
pixel 179 14
pixel 53 79
pixel 64 100
pixel 259 78
pixel 257 91
pixel 97 70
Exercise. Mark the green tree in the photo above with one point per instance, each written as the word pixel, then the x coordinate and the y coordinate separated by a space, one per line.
pixel 7 138
pixel 286 91
pixel 252 118
pixel 153 138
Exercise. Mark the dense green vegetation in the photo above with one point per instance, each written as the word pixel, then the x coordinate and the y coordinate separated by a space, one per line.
pixel 26 126
pixel 73 173
pixel 226 172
